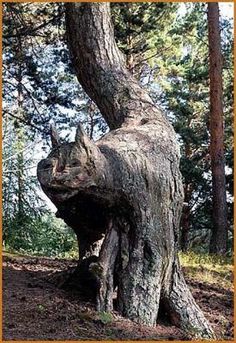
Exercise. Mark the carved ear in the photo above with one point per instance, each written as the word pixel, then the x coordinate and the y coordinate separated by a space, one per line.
pixel 55 139
pixel 80 136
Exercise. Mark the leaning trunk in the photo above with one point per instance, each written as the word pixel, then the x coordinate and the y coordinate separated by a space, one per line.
pixel 126 188
pixel 218 242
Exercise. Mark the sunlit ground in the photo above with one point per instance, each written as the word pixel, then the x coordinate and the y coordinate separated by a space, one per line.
pixel 207 268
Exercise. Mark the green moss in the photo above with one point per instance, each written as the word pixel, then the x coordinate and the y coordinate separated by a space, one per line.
pixel 105 317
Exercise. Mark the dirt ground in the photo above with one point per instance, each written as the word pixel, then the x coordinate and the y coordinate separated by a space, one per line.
pixel 36 308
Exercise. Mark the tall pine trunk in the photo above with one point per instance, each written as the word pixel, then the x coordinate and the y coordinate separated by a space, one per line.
pixel 186 211
pixel 218 242
pixel 125 189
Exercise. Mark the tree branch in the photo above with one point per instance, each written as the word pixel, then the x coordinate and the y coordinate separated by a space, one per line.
pixel 24 121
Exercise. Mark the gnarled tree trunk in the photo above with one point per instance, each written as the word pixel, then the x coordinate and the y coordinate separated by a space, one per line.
pixel 126 188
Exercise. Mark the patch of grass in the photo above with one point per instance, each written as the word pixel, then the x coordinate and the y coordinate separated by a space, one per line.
pixel 105 317
pixel 212 269
pixel 72 255
pixel 41 307
pixel 12 254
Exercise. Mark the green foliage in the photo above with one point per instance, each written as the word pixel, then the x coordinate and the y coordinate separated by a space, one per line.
pixel 36 59
pixel 142 32
pixel 183 77
pixel 36 74
pixel 41 236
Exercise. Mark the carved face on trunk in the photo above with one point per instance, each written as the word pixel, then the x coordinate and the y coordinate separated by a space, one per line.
pixel 67 168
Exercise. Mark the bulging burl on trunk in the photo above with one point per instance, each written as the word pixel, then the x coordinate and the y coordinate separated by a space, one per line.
pixel 126 187
pixel 123 194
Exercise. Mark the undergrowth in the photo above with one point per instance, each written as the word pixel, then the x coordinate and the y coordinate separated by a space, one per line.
pixel 212 269
pixel 203 267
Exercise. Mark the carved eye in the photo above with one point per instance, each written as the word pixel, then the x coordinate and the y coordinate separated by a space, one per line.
pixel 74 163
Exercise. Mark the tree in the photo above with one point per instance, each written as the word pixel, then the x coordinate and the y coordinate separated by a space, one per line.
pixel 185 95
pixel 140 31
pixel 184 82
pixel 126 189
pixel 219 233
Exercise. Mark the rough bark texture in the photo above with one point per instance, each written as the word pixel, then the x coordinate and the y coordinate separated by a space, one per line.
pixel 219 234
pixel 126 186
pixel 186 211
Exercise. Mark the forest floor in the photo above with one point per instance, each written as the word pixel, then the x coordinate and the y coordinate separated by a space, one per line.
pixel 35 308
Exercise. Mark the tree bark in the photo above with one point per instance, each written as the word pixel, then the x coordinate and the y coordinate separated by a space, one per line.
pixel 218 242
pixel 126 186
pixel 185 223
pixel 186 211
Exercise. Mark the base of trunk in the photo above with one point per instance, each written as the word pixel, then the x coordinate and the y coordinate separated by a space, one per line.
pixel 96 284
pixel 182 308
pixel 97 277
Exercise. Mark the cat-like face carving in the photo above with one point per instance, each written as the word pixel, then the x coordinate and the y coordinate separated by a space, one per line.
pixel 68 166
